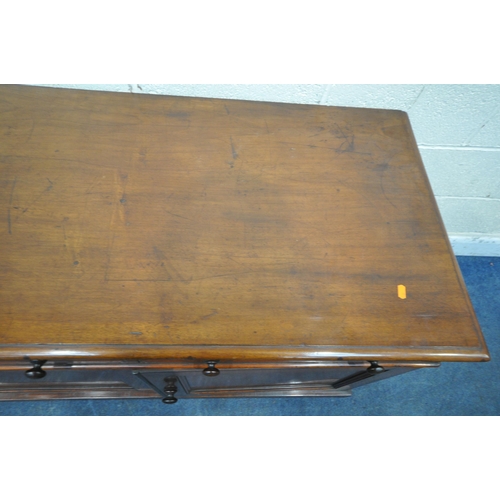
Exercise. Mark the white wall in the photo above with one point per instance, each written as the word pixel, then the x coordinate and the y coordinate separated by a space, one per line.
pixel 457 129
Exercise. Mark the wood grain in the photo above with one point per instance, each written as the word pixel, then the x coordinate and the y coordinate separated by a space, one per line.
pixel 144 226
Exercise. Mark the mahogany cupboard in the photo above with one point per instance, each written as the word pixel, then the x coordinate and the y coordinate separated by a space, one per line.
pixel 173 247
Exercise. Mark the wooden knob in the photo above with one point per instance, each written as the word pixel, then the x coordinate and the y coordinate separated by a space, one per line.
pixel 211 371
pixel 169 401
pixel 170 389
pixel 36 372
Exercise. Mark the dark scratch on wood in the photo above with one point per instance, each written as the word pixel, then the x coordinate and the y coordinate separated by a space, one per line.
pixel 182 280
pixel 64 233
pixel 176 215
pixel 227 110
pixel 9 222
pixel 12 191
pixel 233 150
pixel 348 144
pixel 382 167
pixel 383 190
pixel 172 272
pixel 31 131
pixel 207 316
pixel 319 130
pixel 109 250
pixel 181 115
pixel 143 155
pixel 240 264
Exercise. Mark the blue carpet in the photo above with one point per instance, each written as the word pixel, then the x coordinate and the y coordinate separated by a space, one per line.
pixel 452 389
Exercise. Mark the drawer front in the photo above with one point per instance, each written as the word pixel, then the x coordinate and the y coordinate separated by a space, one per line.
pixel 251 382
pixel 72 383
pixel 76 382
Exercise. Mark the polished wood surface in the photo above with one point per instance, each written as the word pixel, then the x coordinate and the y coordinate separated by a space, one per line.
pixel 155 227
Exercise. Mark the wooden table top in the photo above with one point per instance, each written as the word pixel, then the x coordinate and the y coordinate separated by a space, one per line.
pixel 158 226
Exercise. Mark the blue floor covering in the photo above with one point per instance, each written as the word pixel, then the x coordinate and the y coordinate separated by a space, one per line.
pixel 452 389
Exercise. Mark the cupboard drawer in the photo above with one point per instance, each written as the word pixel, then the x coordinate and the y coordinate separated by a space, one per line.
pixel 71 383
pixel 82 382
pixel 258 382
